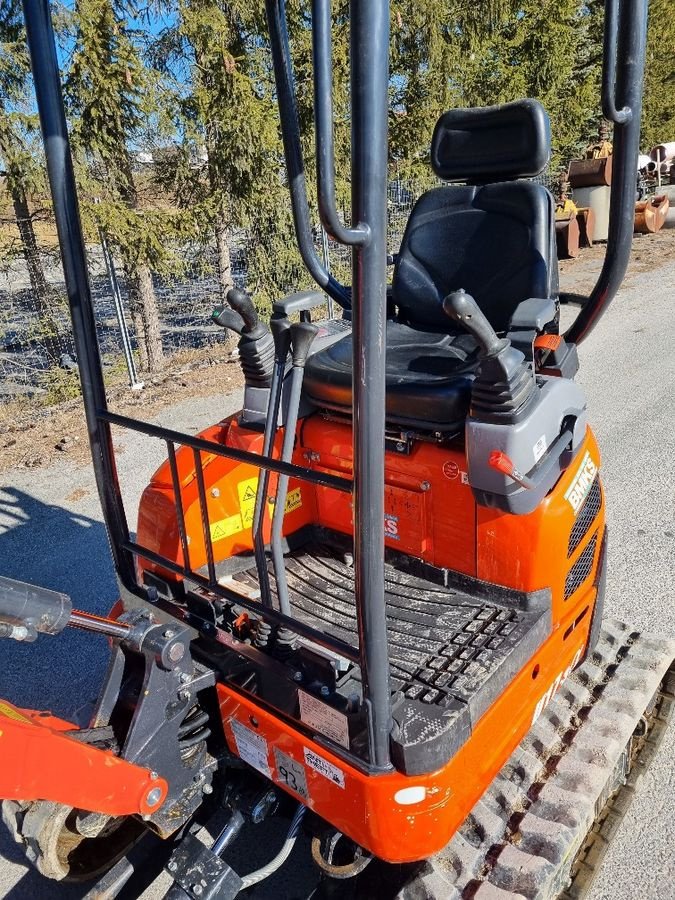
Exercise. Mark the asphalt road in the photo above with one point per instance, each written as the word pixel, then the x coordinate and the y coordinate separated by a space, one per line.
pixel 51 533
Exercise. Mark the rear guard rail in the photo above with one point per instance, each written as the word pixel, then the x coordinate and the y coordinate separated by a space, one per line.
pixel 207 585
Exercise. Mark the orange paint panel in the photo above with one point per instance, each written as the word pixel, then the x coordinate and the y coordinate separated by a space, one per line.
pixel 366 808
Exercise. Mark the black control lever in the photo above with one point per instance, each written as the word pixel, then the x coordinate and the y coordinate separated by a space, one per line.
pixel 242 304
pixel 301 334
pixel 302 337
pixel 281 333
pixel 462 308
pixel 228 318
pixel 504 384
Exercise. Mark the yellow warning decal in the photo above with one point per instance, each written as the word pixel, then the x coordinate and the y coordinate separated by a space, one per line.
pixel 247 491
pixel 223 528
pixel 293 500
pixel 10 713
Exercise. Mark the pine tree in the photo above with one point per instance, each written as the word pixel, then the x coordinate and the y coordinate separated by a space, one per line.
pixel 109 97
pixel 22 164
pixel 658 117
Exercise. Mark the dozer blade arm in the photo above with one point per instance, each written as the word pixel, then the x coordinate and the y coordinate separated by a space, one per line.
pixel 43 759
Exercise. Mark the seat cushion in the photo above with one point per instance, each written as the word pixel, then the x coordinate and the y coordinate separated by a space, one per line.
pixel 429 376
pixel 497 242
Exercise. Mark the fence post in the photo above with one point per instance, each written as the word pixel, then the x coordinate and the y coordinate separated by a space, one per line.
pixel 134 383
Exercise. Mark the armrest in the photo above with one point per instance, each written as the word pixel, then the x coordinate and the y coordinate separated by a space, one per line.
pixel 533 314
pixel 300 302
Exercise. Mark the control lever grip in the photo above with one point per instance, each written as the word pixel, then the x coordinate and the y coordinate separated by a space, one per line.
pixel 302 337
pixel 228 318
pixel 461 307
pixel 242 304
pixel 302 301
pixel 281 332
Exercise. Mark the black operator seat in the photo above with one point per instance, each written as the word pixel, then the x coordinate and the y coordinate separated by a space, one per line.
pixel 493 236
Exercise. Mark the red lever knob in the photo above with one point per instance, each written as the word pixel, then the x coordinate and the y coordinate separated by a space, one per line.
pixel 499 461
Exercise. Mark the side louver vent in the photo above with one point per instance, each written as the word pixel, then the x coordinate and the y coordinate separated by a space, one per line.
pixel 581 569
pixel 587 515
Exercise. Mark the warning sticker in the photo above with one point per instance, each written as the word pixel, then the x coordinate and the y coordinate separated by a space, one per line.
pixel 539 448
pixel 251 747
pixel 247 491
pixel 291 773
pixel 325 768
pixel 324 719
pixel 293 500
pixel 10 713
pixel 450 469
pixel 225 527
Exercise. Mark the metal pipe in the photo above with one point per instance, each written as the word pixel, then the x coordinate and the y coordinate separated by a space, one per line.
pixel 228 834
pixel 313 635
pixel 97 624
pixel 134 383
pixel 322 56
pixel 44 63
pixel 369 51
pixel 625 39
pixel 295 171
pixel 334 482
pixel 302 336
pixel 281 345
pixel 326 261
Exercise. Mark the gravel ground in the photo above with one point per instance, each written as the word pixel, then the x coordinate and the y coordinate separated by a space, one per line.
pixel 51 533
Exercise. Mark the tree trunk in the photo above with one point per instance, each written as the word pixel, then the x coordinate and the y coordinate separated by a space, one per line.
pixel 142 298
pixel 224 262
pixel 43 294
pixel 225 279
pixel 145 318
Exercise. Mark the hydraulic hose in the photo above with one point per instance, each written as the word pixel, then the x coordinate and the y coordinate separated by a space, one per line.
pixel 281 857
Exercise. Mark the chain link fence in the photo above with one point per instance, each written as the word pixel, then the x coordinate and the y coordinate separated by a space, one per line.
pixel 38 360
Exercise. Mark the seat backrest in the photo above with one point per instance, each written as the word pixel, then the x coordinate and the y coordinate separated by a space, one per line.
pixel 495 240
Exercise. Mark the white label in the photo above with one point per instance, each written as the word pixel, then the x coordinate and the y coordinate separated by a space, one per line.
pixel 581 485
pixel 291 773
pixel 325 768
pixel 252 747
pixel 324 718
pixel 539 448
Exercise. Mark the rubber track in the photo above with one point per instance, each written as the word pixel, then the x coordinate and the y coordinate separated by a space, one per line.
pixel 561 790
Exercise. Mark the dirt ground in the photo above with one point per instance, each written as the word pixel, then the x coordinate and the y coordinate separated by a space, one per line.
pixel 34 436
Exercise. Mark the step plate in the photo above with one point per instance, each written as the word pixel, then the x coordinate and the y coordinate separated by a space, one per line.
pixel 452 650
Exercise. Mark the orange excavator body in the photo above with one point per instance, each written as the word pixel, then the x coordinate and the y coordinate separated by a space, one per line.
pixel 432 514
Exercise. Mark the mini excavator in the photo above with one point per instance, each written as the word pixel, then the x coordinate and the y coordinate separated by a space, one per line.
pixel 370 602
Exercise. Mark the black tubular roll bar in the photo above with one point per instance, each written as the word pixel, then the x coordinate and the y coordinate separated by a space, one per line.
pixel 625 40
pixel 295 169
pixel 67 215
pixel 369 82
pixel 369 59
